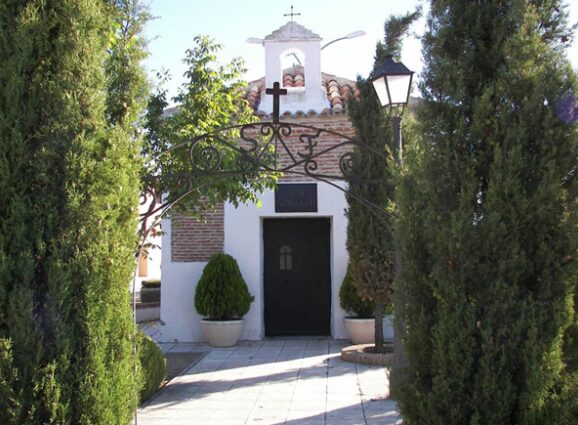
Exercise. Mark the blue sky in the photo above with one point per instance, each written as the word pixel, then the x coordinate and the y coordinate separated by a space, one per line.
pixel 232 22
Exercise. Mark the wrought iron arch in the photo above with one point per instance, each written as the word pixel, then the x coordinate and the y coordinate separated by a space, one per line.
pixel 263 148
pixel 253 150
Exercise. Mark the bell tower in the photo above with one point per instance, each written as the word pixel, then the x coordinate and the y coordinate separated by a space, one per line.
pixel 293 58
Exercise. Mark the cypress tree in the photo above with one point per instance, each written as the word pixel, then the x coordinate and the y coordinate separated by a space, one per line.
pixel 69 186
pixel 488 220
pixel 370 238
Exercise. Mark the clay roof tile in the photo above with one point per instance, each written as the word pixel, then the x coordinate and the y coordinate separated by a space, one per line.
pixel 338 89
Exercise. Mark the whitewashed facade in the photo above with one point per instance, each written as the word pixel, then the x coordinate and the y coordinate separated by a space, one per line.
pixel 315 99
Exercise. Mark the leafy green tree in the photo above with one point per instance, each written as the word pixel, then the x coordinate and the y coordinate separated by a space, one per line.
pixel 488 220
pixel 370 239
pixel 211 98
pixel 69 183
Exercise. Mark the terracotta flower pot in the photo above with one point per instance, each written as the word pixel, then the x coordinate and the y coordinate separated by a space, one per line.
pixel 361 331
pixel 222 333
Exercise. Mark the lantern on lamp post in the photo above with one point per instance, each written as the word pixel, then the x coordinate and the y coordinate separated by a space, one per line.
pixel 392 83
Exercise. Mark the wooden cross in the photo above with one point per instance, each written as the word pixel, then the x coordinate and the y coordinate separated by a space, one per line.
pixel 292 14
pixel 276 92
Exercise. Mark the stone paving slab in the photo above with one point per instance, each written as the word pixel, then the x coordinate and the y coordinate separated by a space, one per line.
pixel 273 382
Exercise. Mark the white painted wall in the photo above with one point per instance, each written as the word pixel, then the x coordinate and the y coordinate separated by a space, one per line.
pixel 244 241
pixel 179 320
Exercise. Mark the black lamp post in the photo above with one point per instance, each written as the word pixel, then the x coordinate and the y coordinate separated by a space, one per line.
pixel 392 82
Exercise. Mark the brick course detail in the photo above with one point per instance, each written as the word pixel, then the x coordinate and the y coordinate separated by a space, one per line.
pixel 196 240
pixel 328 163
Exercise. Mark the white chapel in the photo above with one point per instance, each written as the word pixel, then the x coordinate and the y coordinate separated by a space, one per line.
pixel 292 249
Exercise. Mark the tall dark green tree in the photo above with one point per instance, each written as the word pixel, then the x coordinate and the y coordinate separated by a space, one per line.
pixel 370 238
pixel 69 183
pixel 488 220
pixel 370 243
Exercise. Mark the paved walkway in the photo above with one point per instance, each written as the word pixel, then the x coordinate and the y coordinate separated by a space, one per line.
pixel 273 382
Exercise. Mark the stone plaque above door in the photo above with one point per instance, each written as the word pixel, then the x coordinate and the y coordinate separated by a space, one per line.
pixel 296 197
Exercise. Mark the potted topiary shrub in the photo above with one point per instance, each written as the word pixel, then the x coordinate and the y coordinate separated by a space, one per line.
pixel 223 297
pixel 359 323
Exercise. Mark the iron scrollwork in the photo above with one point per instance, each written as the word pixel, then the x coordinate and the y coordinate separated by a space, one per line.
pixel 255 149
pixel 281 148
pixel 262 148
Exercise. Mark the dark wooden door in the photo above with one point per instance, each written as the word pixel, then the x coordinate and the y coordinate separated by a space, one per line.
pixel 297 277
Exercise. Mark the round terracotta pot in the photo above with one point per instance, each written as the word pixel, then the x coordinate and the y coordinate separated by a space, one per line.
pixel 361 331
pixel 222 333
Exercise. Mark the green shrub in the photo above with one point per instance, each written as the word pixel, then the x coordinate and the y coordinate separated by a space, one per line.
pixel 151 283
pixel 350 300
pixel 153 367
pixel 222 293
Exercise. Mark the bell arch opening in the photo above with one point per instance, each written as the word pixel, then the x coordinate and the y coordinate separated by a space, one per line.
pixel 293 63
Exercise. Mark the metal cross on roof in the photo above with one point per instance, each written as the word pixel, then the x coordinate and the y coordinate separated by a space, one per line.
pixel 276 92
pixel 292 14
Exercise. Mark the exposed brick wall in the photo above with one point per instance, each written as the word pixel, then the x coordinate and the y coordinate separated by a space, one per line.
pixel 195 240
pixel 328 163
